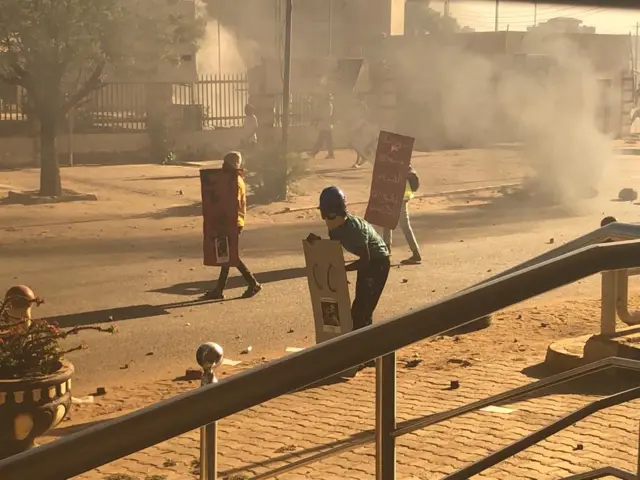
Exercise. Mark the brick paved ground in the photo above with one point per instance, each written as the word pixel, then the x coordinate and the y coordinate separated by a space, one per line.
pixel 485 363
pixel 287 428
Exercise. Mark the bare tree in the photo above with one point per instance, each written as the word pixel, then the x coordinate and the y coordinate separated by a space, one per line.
pixel 58 50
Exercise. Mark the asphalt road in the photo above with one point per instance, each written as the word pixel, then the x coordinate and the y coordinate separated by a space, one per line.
pixel 149 284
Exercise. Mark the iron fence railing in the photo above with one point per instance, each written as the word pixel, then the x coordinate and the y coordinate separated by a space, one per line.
pixel 123 436
pixel 123 107
pixel 221 98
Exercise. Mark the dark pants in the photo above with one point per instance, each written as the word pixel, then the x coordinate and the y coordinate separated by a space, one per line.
pixel 324 137
pixel 369 286
pixel 242 268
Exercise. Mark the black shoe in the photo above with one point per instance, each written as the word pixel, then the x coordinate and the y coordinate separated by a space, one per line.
pixel 215 294
pixel 252 291
pixel 415 259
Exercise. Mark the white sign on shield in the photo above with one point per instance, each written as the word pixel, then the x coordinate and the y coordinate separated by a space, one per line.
pixel 328 288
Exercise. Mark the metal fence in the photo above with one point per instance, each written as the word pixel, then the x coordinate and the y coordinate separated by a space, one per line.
pixel 221 98
pixel 211 102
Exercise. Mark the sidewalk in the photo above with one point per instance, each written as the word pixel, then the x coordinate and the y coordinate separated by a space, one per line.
pixel 301 424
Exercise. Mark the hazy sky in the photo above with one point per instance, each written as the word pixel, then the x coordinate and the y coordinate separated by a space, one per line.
pixel 518 16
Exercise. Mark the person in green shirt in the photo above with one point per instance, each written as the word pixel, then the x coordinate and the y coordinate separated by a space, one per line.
pixel 359 238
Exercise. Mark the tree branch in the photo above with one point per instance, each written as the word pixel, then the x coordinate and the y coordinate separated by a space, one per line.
pixel 94 82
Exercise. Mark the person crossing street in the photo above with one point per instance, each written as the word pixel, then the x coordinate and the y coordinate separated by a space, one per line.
pixel 412 185
pixel 232 162
pixel 359 238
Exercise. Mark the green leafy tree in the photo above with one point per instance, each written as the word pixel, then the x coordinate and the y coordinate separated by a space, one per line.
pixel 421 19
pixel 59 51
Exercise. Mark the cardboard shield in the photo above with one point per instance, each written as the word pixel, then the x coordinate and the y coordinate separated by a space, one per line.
pixel 389 179
pixel 220 217
pixel 329 290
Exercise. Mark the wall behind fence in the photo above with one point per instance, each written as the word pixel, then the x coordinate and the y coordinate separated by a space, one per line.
pixel 119 148
pixel 124 107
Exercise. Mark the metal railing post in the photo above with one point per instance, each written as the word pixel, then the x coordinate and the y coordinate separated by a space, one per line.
pixel 386 417
pixel 209 356
pixel 608 303
pixel 638 459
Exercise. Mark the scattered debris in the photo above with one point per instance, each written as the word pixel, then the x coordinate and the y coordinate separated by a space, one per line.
pixel 551 241
pixel 169 463
pixel 628 195
pixel 459 361
pixel 124 367
pixel 544 325
pixel 578 447
pixel 231 363
pixel 195 467
pixel 110 318
pixel 193 374
pixel 100 391
pixel 496 409
pixel 404 280
pixel 149 354
pixel 454 385
pixel 187 324
pixel 287 448
pixel 247 350
pixel 291 330
pixel 82 400
pixel 412 363
pixel 180 192
pixel 120 476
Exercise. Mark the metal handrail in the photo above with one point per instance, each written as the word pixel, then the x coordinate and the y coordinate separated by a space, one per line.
pixel 410 426
pixel 605 472
pixel 136 431
pixel 614 232
pixel 544 433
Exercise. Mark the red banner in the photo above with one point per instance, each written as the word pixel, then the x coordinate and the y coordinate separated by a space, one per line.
pixel 220 217
pixel 389 179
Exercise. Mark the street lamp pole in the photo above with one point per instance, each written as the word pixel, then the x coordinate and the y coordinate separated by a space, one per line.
pixel 286 97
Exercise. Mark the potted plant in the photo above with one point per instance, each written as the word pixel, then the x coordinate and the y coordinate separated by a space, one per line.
pixel 35 380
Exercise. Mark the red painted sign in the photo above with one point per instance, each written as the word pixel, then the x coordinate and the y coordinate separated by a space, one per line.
pixel 389 180
pixel 220 217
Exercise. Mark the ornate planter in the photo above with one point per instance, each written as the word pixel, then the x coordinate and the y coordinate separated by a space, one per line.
pixel 31 407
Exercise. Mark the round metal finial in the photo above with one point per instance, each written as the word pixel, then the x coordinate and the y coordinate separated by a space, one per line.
pixel 209 355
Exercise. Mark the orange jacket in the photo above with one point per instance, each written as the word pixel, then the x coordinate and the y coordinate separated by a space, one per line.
pixel 242 200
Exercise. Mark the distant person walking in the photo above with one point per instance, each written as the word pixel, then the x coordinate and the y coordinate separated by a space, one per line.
pixel 324 122
pixel 412 185
pixel 359 135
pixel 232 161
pixel 249 140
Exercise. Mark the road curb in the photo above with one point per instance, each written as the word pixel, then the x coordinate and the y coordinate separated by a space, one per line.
pixel 445 193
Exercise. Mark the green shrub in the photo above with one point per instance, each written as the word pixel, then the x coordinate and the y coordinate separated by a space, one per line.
pixel 265 171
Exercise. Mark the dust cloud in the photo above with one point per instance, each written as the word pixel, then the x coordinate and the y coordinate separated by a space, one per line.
pixel 550 104
pixel 233 58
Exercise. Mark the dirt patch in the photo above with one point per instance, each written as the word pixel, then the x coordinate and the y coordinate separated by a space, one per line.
pixel 34 198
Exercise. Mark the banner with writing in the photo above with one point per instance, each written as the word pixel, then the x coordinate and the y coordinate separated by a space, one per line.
pixel 389 179
pixel 220 217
